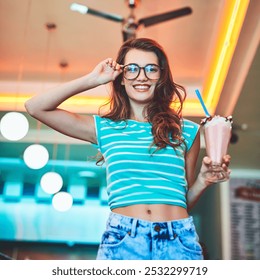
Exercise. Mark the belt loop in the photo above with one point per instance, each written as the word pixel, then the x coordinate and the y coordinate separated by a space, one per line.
pixel 169 225
pixel 133 229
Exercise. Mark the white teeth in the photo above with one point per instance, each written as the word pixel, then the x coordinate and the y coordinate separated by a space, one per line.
pixel 141 87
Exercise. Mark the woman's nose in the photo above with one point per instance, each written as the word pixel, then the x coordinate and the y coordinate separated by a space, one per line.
pixel 142 76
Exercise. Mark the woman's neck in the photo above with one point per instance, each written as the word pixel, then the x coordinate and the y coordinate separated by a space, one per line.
pixel 138 111
pixel 138 115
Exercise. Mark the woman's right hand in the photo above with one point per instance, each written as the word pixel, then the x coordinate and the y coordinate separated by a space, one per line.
pixel 106 71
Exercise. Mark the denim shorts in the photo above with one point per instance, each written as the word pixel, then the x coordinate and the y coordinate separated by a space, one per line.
pixel 127 238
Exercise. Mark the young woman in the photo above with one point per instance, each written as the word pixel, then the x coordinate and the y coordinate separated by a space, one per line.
pixel 149 150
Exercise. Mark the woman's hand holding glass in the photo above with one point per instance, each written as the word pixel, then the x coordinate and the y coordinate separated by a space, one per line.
pixel 206 165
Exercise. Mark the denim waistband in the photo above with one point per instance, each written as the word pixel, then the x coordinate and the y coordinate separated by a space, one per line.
pixel 133 224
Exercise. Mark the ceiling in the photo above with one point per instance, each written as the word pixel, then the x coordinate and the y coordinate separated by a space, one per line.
pixel 32 56
pixel 84 40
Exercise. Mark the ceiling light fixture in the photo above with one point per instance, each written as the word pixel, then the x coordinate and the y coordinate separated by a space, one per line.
pixel 14 126
pixel 62 201
pixel 51 182
pixel 36 156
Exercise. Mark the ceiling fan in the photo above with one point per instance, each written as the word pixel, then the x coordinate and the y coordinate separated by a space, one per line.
pixel 130 24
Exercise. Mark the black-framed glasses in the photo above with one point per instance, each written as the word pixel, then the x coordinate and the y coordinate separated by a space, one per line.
pixel 131 71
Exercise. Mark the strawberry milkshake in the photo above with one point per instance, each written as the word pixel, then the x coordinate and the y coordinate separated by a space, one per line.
pixel 217 133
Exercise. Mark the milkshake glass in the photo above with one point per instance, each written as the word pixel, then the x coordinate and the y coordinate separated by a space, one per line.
pixel 217 133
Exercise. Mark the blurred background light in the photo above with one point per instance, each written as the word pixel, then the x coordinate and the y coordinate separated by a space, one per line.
pixel 51 182
pixel 62 201
pixel 36 156
pixel 14 126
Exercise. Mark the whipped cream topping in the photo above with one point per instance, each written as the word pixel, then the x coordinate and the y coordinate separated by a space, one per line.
pixel 216 119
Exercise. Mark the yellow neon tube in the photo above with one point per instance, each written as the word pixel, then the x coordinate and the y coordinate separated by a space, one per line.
pixel 233 18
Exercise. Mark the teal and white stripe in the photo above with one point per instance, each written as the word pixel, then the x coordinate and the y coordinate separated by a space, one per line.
pixel 136 174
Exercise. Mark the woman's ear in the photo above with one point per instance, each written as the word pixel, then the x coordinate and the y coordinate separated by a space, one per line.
pixel 122 82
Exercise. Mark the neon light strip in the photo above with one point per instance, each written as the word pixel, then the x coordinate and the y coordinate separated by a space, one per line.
pixel 74 101
pixel 233 19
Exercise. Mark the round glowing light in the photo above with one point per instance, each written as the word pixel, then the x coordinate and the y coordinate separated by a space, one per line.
pixel 62 201
pixel 14 126
pixel 36 156
pixel 51 182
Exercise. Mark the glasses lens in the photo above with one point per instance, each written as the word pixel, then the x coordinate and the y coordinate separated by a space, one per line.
pixel 131 71
pixel 152 71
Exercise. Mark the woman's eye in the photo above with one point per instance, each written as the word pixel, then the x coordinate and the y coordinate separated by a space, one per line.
pixel 151 68
pixel 132 68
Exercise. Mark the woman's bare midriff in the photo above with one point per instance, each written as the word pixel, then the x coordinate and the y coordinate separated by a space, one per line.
pixel 153 212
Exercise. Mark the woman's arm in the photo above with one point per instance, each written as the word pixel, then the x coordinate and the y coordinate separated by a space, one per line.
pixel 191 160
pixel 44 107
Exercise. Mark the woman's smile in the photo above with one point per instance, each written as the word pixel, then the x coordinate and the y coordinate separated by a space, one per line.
pixel 141 87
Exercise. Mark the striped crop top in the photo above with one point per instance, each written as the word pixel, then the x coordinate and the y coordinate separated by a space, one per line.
pixel 136 175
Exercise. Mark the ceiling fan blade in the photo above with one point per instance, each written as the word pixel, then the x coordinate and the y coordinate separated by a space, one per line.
pixel 86 10
pixel 148 21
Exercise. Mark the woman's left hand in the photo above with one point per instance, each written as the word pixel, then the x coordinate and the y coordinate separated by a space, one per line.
pixel 206 163
pixel 225 164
